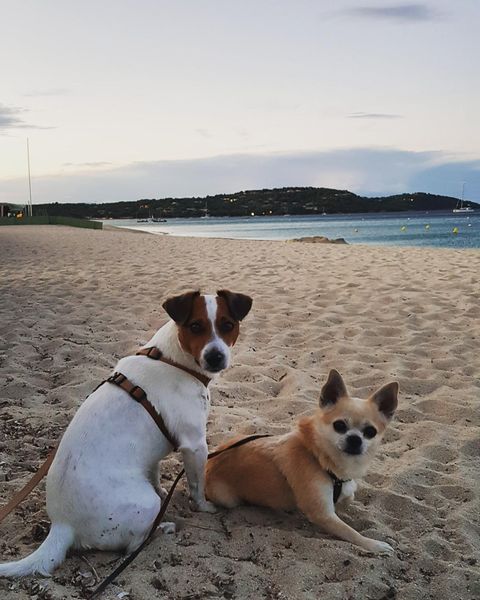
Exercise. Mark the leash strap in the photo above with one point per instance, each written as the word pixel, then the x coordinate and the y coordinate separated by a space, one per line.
pixel 34 481
pixel 163 509
pixel 131 557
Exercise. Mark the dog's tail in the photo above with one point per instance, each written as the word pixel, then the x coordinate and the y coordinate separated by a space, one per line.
pixel 46 558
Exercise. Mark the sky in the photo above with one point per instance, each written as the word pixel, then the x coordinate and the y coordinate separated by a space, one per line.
pixel 158 98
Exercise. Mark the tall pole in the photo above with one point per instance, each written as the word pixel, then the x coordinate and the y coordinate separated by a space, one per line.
pixel 30 207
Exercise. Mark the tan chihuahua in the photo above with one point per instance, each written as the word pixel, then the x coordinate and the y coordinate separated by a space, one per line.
pixel 313 466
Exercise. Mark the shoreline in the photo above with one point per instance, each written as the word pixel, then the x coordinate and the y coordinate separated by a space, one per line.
pixel 405 230
pixel 289 240
pixel 316 214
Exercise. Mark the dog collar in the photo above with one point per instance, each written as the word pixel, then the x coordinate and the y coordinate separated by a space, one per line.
pixel 337 485
pixel 156 354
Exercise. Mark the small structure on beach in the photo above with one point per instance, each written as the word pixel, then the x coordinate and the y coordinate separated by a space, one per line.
pixel 11 210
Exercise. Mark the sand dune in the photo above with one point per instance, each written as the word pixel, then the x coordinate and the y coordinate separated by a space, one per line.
pixel 74 301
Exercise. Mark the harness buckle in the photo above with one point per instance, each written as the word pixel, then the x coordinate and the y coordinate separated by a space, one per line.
pixel 138 394
pixel 117 378
pixel 154 353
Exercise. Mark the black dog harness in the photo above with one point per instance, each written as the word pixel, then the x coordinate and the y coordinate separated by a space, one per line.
pixel 337 485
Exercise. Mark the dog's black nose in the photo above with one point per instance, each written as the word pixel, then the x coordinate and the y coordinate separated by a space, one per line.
pixel 215 360
pixel 353 444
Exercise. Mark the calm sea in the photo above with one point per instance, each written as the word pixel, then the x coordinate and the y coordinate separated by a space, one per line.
pixel 446 230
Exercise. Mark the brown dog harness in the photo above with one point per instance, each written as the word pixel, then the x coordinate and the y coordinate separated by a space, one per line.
pixel 139 395
pixel 136 393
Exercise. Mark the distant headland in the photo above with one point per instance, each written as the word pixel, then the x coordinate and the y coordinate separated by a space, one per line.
pixel 277 201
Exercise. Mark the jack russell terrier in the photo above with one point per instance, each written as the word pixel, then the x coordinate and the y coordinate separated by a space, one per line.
pixel 101 486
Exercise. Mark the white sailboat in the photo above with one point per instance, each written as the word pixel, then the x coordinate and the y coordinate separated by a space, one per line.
pixel 205 210
pixel 460 208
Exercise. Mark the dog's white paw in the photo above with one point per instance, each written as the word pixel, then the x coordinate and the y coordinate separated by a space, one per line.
pixel 167 527
pixel 346 500
pixel 202 506
pixel 380 547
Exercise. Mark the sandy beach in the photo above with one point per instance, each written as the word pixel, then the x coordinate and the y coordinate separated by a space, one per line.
pixel 73 301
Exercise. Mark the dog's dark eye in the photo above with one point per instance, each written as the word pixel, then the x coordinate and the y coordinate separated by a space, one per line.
pixel 226 326
pixel 196 327
pixel 340 426
pixel 369 432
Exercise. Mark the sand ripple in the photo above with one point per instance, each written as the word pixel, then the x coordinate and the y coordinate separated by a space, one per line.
pixel 73 301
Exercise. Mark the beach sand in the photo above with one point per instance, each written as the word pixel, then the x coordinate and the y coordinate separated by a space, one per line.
pixel 73 301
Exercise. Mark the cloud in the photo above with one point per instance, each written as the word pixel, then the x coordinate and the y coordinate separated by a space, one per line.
pixel 394 12
pixel 92 165
pixel 451 176
pixel 366 171
pixel 48 92
pixel 11 118
pixel 204 133
pixel 274 104
pixel 364 115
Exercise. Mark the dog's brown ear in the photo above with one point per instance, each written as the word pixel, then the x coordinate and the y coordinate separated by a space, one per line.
pixel 179 308
pixel 239 305
pixel 386 399
pixel 334 389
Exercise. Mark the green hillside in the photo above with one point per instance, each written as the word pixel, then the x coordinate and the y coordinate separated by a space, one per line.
pixel 280 201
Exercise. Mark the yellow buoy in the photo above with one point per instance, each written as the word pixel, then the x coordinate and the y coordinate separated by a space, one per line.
pixel 427 226
pixel 403 228
pixel 455 230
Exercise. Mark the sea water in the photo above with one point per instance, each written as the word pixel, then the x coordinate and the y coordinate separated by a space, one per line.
pixel 438 229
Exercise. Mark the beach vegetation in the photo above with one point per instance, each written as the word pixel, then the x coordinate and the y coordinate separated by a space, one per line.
pixel 278 201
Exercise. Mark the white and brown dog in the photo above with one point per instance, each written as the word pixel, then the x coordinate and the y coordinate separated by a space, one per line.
pixel 101 485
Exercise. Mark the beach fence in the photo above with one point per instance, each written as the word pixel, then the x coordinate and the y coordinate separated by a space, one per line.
pixel 47 220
